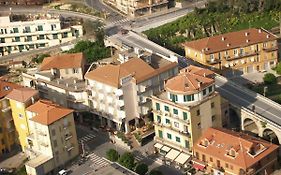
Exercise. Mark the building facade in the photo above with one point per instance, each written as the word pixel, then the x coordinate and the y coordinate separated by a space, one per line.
pixel 52 141
pixel 120 93
pixel 138 8
pixel 7 128
pixel 61 80
pixel 186 108
pixel 223 151
pixel 20 99
pixel 236 53
pixel 33 33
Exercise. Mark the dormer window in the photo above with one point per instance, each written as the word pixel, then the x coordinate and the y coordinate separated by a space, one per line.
pixel 205 143
pixel 231 153
pixel 173 97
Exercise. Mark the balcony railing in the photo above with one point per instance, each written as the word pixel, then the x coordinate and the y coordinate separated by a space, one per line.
pixel 213 61
pixel 242 55
pixel 270 49
pixel 68 136
pixel 69 147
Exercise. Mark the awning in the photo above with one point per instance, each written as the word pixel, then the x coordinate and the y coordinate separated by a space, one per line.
pixel 158 145
pixel 198 166
pixel 172 154
pixel 182 158
pixel 166 148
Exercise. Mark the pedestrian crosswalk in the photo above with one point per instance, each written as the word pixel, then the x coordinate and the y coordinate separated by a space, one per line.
pixel 120 21
pixel 98 162
pixel 139 158
pixel 87 137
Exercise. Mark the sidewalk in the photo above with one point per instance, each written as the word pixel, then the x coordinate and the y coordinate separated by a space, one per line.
pixel 14 162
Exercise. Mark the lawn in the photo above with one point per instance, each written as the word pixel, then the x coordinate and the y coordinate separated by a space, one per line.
pixel 21 171
pixel 273 91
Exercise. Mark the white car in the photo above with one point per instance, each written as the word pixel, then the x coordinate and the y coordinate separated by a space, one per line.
pixel 62 172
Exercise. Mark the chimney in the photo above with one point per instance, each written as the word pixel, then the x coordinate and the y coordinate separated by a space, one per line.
pixel 75 81
pixel 259 30
pixel 247 41
pixel 199 84
pixel 267 36
pixel 66 84
pixel 222 38
pixel 204 74
pixel 227 44
pixel 61 77
pixel 32 100
pixel 75 87
pixel 53 72
pixel 58 81
pixel 246 33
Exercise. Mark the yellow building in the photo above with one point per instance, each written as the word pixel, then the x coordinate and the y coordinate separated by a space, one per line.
pixel 7 128
pixel 20 99
pixel 52 139
pixel 188 106
pixel 236 53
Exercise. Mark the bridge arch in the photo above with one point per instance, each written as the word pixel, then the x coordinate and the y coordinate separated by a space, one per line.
pixel 250 125
pixel 271 136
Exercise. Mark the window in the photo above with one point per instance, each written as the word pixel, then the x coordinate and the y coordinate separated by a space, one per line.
pixel 211 159
pixel 212 105
pixel 20 116
pixel 184 115
pixel 53 26
pixel 66 71
pixel 226 53
pixel 75 71
pixel 53 132
pixel 16 30
pixel 173 97
pixel 213 118
pixel 203 157
pixel 204 92
pixel 198 112
pixel 199 125
pixel 21 47
pixel 167 108
pixel 40 28
pixel 41 37
pixel 29 38
pixel 212 56
pixel 17 39
pixel 178 139
pixel 157 106
pixel 158 119
pixel 197 155
pixel 235 52
pixel 210 89
pixel 160 133
pixel 27 29
pixel 64 35
pixel 187 144
pixel 55 36
pixel 264 45
pixel 218 163
pixel 231 167
pixel 169 136
pixel 168 121
pixel 2 40
pixel 176 111
pixel 226 165
pixel 55 143
pixel 188 98
pixel 176 124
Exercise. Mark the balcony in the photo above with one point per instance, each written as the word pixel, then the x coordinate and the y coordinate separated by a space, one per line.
pixel 76 100
pixel 66 125
pixel 68 136
pixel 242 55
pixel 270 49
pixel 6 109
pixel 213 61
pixel 69 147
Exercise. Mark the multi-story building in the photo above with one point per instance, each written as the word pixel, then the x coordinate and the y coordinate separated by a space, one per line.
pixel 137 8
pixel 35 32
pixel 52 139
pixel 61 80
pixel 119 94
pixel 7 128
pixel 187 107
pixel 245 51
pixel 20 99
pixel 222 151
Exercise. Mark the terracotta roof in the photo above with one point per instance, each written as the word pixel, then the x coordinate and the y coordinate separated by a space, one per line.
pixel 47 112
pixel 112 74
pixel 190 80
pixel 74 60
pixel 224 140
pixel 7 87
pixel 230 40
pixel 22 94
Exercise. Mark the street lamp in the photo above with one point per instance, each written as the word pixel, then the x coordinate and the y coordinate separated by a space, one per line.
pixel 264 90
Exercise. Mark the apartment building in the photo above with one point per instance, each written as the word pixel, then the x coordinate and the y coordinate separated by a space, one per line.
pixel 60 79
pixel 34 32
pixel 19 100
pixel 7 128
pixel 236 53
pixel 223 151
pixel 119 93
pixel 186 108
pixel 52 139
pixel 136 8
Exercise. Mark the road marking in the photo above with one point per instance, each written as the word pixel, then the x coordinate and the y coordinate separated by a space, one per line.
pixel 97 161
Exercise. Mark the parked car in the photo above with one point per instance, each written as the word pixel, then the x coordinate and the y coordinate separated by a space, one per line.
pixel 63 172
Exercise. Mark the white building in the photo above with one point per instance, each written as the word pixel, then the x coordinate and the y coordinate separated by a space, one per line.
pixel 119 93
pixel 34 33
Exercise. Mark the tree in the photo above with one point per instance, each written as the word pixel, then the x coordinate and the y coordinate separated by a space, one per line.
pixel 269 78
pixel 39 58
pixel 112 155
pixel 155 172
pixel 141 169
pixel 278 68
pixel 127 160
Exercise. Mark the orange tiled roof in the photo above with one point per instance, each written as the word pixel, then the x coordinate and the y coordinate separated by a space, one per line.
pixel 230 40
pixel 48 112
pixel 7 87
pixel 190 80
pixel 223 140
pixel 22 94
pixel 112 74
pixel 65 61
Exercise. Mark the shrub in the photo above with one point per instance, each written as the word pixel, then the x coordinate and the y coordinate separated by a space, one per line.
pixel 127 160
pixel 141 169
pixel 278 68
pixel 155 172
pixel 269 78
pixel 112 155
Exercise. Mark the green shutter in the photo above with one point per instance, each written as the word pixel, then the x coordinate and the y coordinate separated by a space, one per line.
pixel 169 136
pixel 187 144
pixel 184 115
pixel 167 108
pixel 178 139
pixel 160 133
pixel 176 111
pixel 157 106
